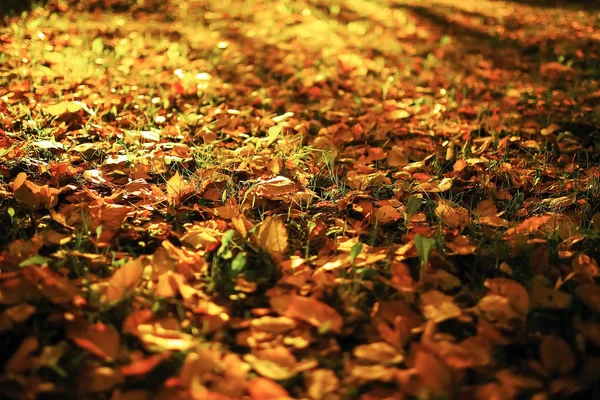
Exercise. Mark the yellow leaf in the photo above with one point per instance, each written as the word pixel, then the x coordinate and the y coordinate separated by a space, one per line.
pixel 176 187
pixel 272 236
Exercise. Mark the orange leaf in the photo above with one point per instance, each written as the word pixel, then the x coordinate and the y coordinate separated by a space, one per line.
pixel 439 307
pixel 515 293
pixel 124 280
pixel 435 376
pixel 110 217
pixel 32 195
pixel 266 389
pixel 273 237
pixel 177 187
pixel 314 312
pixel 99 339
pixel 556 354
pixel 144 365
pixel 321 382
pixel 451 216
pixel 52 285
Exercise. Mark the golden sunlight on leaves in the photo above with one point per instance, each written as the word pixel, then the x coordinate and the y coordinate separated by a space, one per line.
pixel 311 199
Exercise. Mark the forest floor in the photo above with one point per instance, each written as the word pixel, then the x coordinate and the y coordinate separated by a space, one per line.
pixel 307 199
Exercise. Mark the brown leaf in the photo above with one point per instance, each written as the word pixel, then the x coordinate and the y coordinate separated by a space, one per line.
pixel 387 214
pixel 378 352
pixel 22 359
pixel 556 355
pixel 585 266
pixel 52 285
pixel 99 339
pixel 266 389
pixel 99 379
pixel 439 307
pixel 143 365
pixel 452 216
pixel 124 280
pixel 590 295
pixel 153 335
pixel 273 189
pixel 462 245
pixel 273 237
pixel 498 310
pixel 32 195
pixel 177 187
pixel 435 376
pixel 276 363
pixel 316 313
pixel 108 216
pixel 515 293
pixel 320 383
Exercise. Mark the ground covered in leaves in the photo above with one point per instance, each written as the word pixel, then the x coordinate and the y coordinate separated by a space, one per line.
pixel 299 199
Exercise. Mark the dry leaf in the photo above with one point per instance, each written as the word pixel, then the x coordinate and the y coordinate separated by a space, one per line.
pixel 266 389
pixel 378 352
pixel 177 187
pixel 320 383
pixel 439 307
pixel 452 216
pixel 556 355
pixel 124 280
pixel 99 339
pixel 316 313
pixel 435 376
pixel 515 293
pixel 32 195
pixel 387 214
pixel 272 236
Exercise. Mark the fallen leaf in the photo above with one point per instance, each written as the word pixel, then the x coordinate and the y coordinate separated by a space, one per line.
pixel 22 359
pixel 177 187
pixel 266 389
pixel 316 313
pixel 556 355
pixel 438 307
pixel 515 293
pixel 53 286
pixel 273 237
pixel 124 280
pixel 32 195
pixel 321 382
pixel 378 352
pixel 387 214
pixel 99 339
pixel 452 216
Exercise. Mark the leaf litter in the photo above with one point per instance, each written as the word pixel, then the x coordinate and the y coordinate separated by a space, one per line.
pixel 299 199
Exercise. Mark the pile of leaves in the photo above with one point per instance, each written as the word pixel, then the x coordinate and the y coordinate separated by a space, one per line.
pixel 205 199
